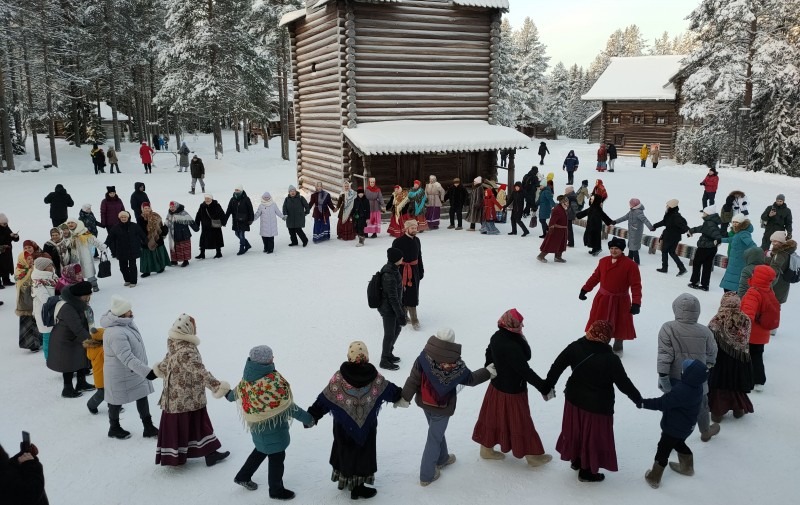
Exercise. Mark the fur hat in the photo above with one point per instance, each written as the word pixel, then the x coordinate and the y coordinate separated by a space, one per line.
pixel 446 335
pixel 616 242
pixel 394 254
pixel 599 331
pixel 778 236
pixel 82 288
pixel 739 218
pixel 184 325
pixel 261 354
pixel 781 196
pixel 42 263
pixel 410 223
pixel 111 189
pixel 477 180
pixel 710 210
pixel 671 204
pixel 119 305
pixel 634 202
pixel 124 212
pixel 357 352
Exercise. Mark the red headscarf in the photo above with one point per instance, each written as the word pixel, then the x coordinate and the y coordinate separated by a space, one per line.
pixel 511 320
pixel 599 331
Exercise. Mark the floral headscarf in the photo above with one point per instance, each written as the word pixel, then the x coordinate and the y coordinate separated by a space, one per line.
pixel 511 320
pixel 732 327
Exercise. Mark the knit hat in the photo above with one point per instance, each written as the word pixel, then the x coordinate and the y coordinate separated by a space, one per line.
pixel 3 219
pixel 517 184
pixel 145 205
pixel 778 236
pixel 585 182
pixel 124 212
pixel 417 183
pixel 119 305
pixel 239 187
pixel 446 335
pixel 410 223
pixel 87 207
pixel 357 352
pixel 292 188
pixel 261 354
pixel 599 331
pixel 634 202
pixel 41 263
pixel 477 180
pixel 82 288
pixel 551 176
pixel 616 242
pixel 511 320
pixel 182 326
pixel 266 197
pixel 671 204
pixel 739 218
pixel 781 196
pixel 394 254
pixel 360 189
pixel 710 210
pixel 208 195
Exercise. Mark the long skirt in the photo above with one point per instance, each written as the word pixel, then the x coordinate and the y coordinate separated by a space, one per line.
pixel 396 225
pixel 422 225
pixel 345 230
pixel 374 224
pixel 587 437
pixel 29 336
pixel 432 217
pixel 601 166
pixel 182 251
pixel 153 261
pixel 185 435
pixel 505 419
pixel 720 401
pixel 322 231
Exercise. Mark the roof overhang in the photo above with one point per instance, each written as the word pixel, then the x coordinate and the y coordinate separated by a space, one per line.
pixel 592 117
pixel 431 137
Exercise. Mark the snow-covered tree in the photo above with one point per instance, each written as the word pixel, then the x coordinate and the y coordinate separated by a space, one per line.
pixel 511 97
pixel 530 57
pixel 627 42
pixel 558 99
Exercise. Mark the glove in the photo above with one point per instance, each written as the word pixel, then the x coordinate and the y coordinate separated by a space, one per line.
pixel 582 296
pixel 635 308
pixel 401 403
pixel 664 384
pixel 549 396
pixel 492 370
pixel 151 376
pixel 313 423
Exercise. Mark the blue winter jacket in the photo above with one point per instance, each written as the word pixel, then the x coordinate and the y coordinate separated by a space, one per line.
pixel 571 162
pixel 546 203
pixel 739 243
pixel 681 405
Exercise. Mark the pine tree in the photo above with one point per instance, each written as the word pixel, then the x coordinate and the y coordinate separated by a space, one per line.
pixel 511 97
pixel 94 130
pixel 529 55
pixel 558 99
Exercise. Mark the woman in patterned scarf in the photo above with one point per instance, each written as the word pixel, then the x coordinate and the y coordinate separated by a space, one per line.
pixel 321 206
pixel 344 228
pixel 83 245
pixel 416 209
pixel 353 397
pixel 732 376
pixel 397 204
pixel 29 336
pixel 154 257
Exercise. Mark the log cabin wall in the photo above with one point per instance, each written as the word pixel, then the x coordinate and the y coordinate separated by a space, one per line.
pixel 630 124
pixel 595 130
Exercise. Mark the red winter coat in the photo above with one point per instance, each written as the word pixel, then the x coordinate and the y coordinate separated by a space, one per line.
pixel 760 301
pixel 613 302
pixel 556 239
pixel 146 153
pixel 490 206
pixel 711 182
pixel 602 154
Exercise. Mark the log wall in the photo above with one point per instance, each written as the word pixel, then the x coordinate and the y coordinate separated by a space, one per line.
pixel 630 124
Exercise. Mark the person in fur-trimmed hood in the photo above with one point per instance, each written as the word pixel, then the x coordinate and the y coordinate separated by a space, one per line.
pixel 764 311
pixel 435 380
pixel 183 400
pixel 267 408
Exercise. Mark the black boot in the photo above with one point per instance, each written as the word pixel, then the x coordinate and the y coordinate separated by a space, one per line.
pixel 185 263
pixel 82 385
pixel 219 253
pixel 362 491
pixel 150 431
pixel 117 432
pixel 215 457
pixel 663 270
pixel 588 476
pixel 201 256
pixel 388 365
pixel 281 494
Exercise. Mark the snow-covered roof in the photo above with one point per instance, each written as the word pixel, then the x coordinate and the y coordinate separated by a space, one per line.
pixel 105 113
pixel 490 4
pixel 592 117
pixel 291 17
pixel 420 136
pixel 637 78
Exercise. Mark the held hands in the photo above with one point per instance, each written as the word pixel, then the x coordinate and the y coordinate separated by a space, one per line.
pixel 664 384
pixel 492 370
pixel 401 403
pixel 549 396
pixel 582 296
pixel 635 307
pixel 151 376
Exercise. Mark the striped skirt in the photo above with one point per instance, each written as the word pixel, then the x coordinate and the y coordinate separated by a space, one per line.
pixel 345 230
pixel 505 420
pixel 185 435
pixel 182 251
pixel 322 231
pixel 422 224
pixel 396 225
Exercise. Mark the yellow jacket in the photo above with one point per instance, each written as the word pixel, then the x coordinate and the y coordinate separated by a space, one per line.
pixel 644 152
pixel 94 351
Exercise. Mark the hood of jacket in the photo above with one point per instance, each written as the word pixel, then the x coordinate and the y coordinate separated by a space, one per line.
pixel 138 185
pixel 109 320
pixel 60 189
pixel 686 308
pixel 694 373
pixel 787 247
pixel 714 218
pixel 763 276
pixel 441 351
pixel 754 256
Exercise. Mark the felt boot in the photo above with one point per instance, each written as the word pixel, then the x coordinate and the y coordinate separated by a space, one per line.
pixel 685 464
pixel 653 476
pixel 490 453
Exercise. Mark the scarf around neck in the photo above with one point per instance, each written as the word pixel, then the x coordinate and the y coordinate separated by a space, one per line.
pixel 153 227
pixel 264 396
pixel 732 328
pixel 419 198
pixel 349 199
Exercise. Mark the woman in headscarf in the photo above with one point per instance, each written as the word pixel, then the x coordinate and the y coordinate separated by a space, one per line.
pixel 353 397
pixel 732 376
pixel 180 237
pixel 322 207
pixel 344 228
pixel 416 209
pixel 375 197
pixel 268 213
pixel 434 192
pixel 57 249
pixel 397 205
pixel 211 218
pixel 29 336
pixel 70 274
pixel 43 285
pixel 154 256
pixel 505 416
pixel 83 247
pixel 587 428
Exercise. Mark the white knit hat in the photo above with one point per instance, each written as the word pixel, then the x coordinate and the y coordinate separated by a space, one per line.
pixel 672 203
pixel 710 210
pixel 119 305
pixel 739 218
pixel 446 335
pixel 477 180
pixel 778 236
pixel 87 207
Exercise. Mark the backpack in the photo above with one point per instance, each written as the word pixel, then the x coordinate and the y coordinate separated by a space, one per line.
pixel 792 272
pixel 375 291
pixel 49 311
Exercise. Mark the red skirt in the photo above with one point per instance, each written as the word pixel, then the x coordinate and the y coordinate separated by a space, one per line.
pixel 422 224
pixel 182 251
pixel 505 419
pixel 720 401
pixel 345 230
pixel 185 435
pixel 396 225
pixel 587 437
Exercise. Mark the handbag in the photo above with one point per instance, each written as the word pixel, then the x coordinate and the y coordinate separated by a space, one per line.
pixel 533 222
pixel 104 268
pixel 215 223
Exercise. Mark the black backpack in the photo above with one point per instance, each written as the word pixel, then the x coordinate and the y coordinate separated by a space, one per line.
pixel 49 311
pixel 375 291
pixel 792 272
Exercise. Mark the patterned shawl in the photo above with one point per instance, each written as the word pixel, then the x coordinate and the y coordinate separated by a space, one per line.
pixel 154 223
pixel 444 377
pixel 322 200
pixel 732 327
pixel 354 406
pixel 265 397
pixel 178 216
pixel 419 198
pixel 399 201
pixel 349 197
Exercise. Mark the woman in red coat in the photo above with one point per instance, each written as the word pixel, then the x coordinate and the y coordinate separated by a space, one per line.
pixel 556 239
pixel 616 274
pixel 146 153
pixel 764 311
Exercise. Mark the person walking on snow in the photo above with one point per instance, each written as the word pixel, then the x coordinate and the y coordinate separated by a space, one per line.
pixel 762 307
pixel 322 206
pixel 710 238
pixel 458 197
pixel 543 150
pixel 240 212
pixel 674 227
pixel 595 219
pixel 146 154
pixel 545 205
pixel 59 201
pixel 268 213
pixel 637 221
pixel 110 208
pixel 602 157
pixel 183 164
pixel 612 156
pixel 412 270
pixel 710 185
pixel 295 210
pixel 475 211
pixel 776 217
pixel 740 240
pixel 113 160
pixel 376 206
pixel 198 171
pixel 393 315
pixel 570 165
pixel 558 234
pixel 644 153
pixel 138 197
pixel 434 193
pixel 178 222
pixel 517 202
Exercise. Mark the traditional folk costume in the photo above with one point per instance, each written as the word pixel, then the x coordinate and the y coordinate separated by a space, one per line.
pixel 434 192
pixel 345 229
pixel 29 336
pixel 322 207
pixel 397 205
pixel 154 257
pixel 178 223
pixel 375 198
pixel 416 209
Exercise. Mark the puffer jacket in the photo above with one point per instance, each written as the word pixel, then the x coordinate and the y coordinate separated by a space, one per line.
pixel 95 353
pixel 681 405
pixel 674 226
pixel 760 304
pixel 125 368
pixel 752 258
pixel 684 338
pixel 545 203
pixel 779 261
pixel 741 241
pixel 710 232
pixel 636 224
pixel 391 292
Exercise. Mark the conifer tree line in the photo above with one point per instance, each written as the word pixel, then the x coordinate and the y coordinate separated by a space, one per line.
pixel 171 66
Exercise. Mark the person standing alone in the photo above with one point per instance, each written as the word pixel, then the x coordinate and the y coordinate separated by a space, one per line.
pixel 146 154
pixel 412 270
pixel 391 309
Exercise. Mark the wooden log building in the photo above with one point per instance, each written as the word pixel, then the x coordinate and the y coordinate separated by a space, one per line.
pixel 398 90
pixel 639 104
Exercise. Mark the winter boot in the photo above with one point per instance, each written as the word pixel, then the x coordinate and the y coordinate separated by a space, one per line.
pixel 559 259
pixel 201 256
pixel 451 458
pixel 663 270
pixel 215 457
pixel 408 317
pixel 653 476
pixel 436 475
pixel 192 191
pixel 82 385
pixel 150 431
pixel 185 263
pixel 360 241
pixel 681 271
pixel 70 393
pixel 219 253
pixel 538 460
pixel 388 365
pixel 281 494
pixel 362 491
pixel 738 413
pixel 414 321
pixel 247 484
pixel 617 347
pixel 718 419
pixel 712 430
pixel 490 453
pixel 116 431
pixel 588 476
pixel 685 464
pixel 541 258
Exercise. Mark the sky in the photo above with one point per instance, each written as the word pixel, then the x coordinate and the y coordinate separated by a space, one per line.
pixel 574 31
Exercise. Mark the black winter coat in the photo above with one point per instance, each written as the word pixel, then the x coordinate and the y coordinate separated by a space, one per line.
pixel 543 149
pixel 138 197
pixel 21 483
pixel 360 214
pixel 240 210
pixel 516 200
pixel 412 251
pixel 530 183
pixel 66 339
pixel 126 240
pixel 781 221
pixel 510 354
pixel 682 404
pixel 457 195
pixel 612 152
pixel 674 226
pixel 6 255
pixel 197 169
pixel 710 230
pixel 391 292
pixel 595 371
pixel 210 237
pixel 50 249
pixel 595 218
pixel 59 201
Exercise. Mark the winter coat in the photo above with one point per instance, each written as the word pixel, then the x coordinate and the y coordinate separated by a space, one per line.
pixel 595 218
pixel 582 196
pixel 779 261
pixel 65 351
pixel 781 221
pixel 435 193
pixel 595 371
pixel 296 208
pixel 210 237
pixel 89 221
pixel 510 354
pixel 637 222
pixel 322 206
pixel 684 338
pixel 197 169
pixel 475 210
pixel 184 156
pixel 375 199
pixel 360 214
pixel 490 206
pixel 516 200
pixel 22 483
pixel 391 292
pixel 681 405
pixel 112 156
pixel 412 251
pixel 674 226
pixel 530 183
pixel 240 210
pixel 574 208
pixel 146 153
pixel 545 203
pixel 52 249
pixel 138 197
pixel 655 155
pixel 571 162
pixel 612 152
pixel 612 302
pixel 41 290
pixel 711 183
pixel 125 240
pixel 59 201
pixel 602 154
pixel 109 211
pixel 557 234
pixel 740 242
pixel 644 152
pixel 6 254
pixel 760 302
pixel 752 258
pixel 710 234
pixel 178 223
pixel 440 351
pixel 269 215
pixel 457 195
pixel 125 369
pixel 543 149
pixel 96 354
pixel 185 376
pixel 83 243
pixel 739 204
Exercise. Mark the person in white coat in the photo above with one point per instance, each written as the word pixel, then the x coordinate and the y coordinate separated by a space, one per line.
pixel 126 373
pixel 435 193
pixel 268 212
pixel 43 286
pixel 83 247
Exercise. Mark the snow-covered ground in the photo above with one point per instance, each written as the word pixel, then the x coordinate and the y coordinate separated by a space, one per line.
pixel 309 303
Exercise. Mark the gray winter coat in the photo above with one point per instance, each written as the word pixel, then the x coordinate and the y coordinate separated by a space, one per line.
pixel 184 152
pixel 125 369
pixel 636 224
pixel 752 258
pixel 269 215
pixel 684 338
pixel 710 232
pixel 295 209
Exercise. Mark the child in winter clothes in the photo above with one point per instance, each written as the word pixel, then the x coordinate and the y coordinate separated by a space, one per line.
pixel 268 213
pixel 762 307
pixel 636 223
pixel 437 374
pixel 707 244
pixel 710 184
pixel 490 206
pixel 582 195
pixel 644 152
pixel 680 407
pixel 43 286
pixel 267 407
pixel 70 274
pixel 94 351
pixel 600 190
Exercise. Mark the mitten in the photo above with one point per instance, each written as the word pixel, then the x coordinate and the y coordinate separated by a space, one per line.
pixel 151 376
pixel 664 384
pixel 582 296
pixel 635 308
pixel 492 370
pixel 401 403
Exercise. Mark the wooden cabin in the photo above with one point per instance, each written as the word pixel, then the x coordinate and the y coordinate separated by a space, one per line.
pixel 396 90
pixel 639 103
pixel 538 131
pixel 594 122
